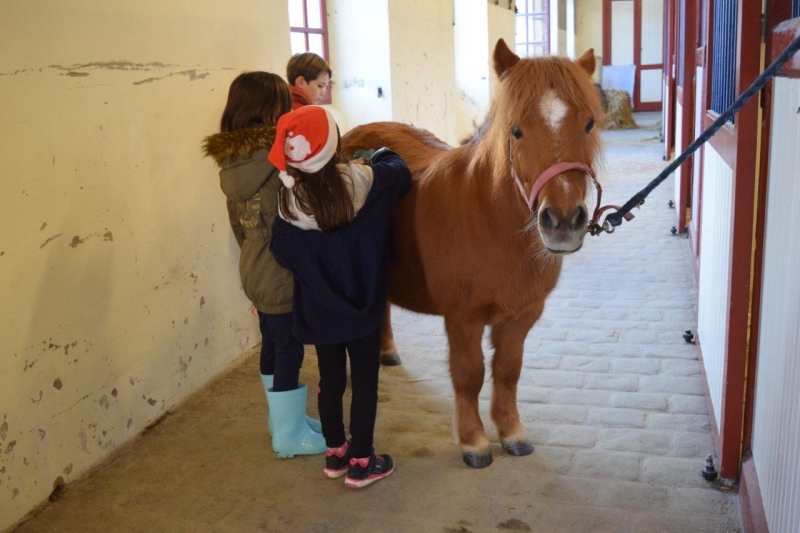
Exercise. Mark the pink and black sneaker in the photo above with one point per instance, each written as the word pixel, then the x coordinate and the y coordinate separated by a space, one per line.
pixel 363 472
pixel 337 461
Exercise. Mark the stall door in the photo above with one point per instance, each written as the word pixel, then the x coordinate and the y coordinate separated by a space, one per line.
pixel 633 37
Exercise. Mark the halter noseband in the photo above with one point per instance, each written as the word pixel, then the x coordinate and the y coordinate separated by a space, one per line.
pixel 559 168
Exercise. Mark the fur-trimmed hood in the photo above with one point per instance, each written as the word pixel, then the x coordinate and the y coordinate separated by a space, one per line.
pixel 242 158
pixel 222 146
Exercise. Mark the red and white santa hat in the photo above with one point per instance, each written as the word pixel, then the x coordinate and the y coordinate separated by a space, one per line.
pixel 306 139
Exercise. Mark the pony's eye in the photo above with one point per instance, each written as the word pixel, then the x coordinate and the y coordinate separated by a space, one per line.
pixel 590 125
pixel 516 132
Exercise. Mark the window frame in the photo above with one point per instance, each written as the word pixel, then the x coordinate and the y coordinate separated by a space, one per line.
pixel 306 30
pixel 544 16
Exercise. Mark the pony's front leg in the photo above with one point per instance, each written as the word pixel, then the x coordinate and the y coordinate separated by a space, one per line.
pixel 467 371
pixel 508 338
pixel 389 356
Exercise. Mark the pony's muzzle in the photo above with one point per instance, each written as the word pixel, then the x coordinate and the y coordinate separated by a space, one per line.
pixel 563 232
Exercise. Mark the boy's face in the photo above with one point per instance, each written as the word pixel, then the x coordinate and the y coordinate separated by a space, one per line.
pixel 315 90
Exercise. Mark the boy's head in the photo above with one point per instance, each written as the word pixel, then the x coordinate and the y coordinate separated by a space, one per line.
pixel 309 73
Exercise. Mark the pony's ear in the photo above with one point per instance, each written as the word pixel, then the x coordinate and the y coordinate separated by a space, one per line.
pixel 587 61
pixel 504 58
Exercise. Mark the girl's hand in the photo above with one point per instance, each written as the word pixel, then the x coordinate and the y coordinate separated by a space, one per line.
pixel 254 311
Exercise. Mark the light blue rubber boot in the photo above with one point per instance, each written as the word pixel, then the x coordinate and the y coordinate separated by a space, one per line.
pixel 313 423
pixel 290 432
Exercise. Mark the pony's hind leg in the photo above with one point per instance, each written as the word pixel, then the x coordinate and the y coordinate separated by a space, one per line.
pixel 508 338
pixel 389 355
pixel 467 371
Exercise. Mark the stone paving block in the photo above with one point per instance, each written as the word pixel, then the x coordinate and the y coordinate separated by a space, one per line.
pixel 636 366
pixel 646 315
pixel 680 523
pixel 607 465
pixel 631 495
pixel 616 350
pixel 674 385
pixel 692 445
pixel 565 348
pixel 583 363
pixel 581 397
pixel 532 394
pixel 639 400
pixel 673 472
pixel 573 436
pixel 593 335
pixel 609 314
pixel 618 382
pixel 554 378
pixel 696 405
pixel 567 414
pixel 616 417
pixel 645 441
pixel 554 458
pixel 670 351
pixel 547 334
pixel 706 501
pixel 586 304
pixel 565 312
pixel 677 367
pixel 547 362
pixel 678 422
pixel 670 304
pixel 640 336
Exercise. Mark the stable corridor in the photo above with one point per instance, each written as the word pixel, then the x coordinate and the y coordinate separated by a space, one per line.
pixel 610 394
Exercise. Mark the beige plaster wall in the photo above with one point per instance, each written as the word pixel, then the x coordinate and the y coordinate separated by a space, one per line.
pixel 121 292
pixel 589 29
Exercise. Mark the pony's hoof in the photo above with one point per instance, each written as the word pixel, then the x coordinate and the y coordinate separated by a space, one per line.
pixel 390 359
pixel 477 460
pixel 518 448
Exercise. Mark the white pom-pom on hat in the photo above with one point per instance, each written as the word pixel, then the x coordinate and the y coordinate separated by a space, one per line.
pixel 287 180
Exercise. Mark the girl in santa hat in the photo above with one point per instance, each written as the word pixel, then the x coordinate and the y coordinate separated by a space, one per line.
pixel 333 233
pixel 250 182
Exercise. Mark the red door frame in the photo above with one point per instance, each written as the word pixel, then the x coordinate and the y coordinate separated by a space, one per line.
pixel 638 105
pixel 702 60
pixel 669 78
pixel 736 144
pixel 752 506
pixel 685 96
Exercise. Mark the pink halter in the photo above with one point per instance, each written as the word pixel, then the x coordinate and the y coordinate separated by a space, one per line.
pixel 559 168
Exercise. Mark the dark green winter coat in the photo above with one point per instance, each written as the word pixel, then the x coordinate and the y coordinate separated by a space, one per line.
pixel 250 183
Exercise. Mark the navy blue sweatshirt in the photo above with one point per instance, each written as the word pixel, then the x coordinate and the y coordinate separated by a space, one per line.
pixel 341 278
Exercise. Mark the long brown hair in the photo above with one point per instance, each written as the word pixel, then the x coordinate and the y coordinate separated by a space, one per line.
pixel 323 195
pixel 308 65
pixel 255 99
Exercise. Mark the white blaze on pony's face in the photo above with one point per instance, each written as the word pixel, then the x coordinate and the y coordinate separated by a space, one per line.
pixel 553 124
pixel 553 109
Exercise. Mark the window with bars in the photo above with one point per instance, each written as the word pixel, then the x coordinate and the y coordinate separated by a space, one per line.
pixel 723 63
pixel 796 8
pixel 308 30
pixel 533 28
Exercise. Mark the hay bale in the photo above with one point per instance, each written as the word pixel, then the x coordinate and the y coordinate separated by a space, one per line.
pixel 619 115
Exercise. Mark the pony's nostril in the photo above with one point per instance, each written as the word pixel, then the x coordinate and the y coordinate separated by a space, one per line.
pixel 546 219
pixel 579 218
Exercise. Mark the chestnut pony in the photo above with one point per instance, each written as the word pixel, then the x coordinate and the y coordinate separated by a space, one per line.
pixel 469 246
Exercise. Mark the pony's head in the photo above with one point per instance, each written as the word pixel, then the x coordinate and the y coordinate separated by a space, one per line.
pixel 544 113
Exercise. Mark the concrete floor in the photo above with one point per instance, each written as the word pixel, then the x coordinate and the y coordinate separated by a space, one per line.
pixel 611 397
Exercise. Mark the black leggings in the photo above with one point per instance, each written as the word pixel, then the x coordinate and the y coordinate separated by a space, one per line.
pixel 281 353
pixel 364 365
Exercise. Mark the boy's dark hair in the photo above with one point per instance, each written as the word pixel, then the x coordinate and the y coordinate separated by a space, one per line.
pixel 255 99
pixel 308 65
pixel 323 195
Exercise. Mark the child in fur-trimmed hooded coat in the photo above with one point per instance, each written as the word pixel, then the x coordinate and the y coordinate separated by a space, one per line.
pixel 255 102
